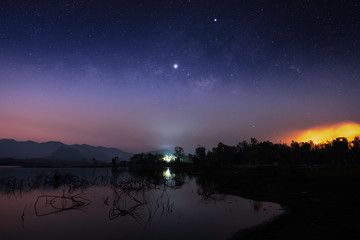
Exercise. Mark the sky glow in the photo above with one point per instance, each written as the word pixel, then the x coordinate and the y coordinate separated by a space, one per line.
pixel 329 133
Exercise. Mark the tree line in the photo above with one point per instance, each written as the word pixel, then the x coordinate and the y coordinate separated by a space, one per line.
pixel 337 151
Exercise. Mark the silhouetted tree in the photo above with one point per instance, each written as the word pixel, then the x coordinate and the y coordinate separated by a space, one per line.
pixel 355 150
pixel 224 154
pixel 179 154
pixel 242 149
pixel 356 143
pixel 200 152
pixel 115 160
pixel 147 158
pixel 341 149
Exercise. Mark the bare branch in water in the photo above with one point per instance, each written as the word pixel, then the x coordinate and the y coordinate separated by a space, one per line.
pixel 66 203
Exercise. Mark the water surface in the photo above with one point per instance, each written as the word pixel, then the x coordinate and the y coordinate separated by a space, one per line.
pixel 107 203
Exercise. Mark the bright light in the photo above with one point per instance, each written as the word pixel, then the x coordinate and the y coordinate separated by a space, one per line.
pixel 329 133
pixel 167 174
pixel 175 66
pixel 168 158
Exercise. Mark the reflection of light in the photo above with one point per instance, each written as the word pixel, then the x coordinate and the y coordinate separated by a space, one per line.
pixel 167 174
pixel 329 133
pixel 168 158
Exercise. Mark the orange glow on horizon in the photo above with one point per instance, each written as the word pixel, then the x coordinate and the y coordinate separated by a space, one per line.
pixel 321 134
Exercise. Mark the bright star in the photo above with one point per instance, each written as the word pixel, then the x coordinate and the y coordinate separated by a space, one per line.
pixel 215 19
pixel 175 66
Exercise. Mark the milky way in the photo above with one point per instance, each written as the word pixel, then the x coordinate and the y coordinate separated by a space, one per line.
pixel 146 75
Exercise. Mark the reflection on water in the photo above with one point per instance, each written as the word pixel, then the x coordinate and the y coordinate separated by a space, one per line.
pixel 94 203
pixel 167 174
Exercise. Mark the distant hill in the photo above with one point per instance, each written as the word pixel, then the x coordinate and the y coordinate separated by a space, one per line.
pixel 68 154
pixel 10 148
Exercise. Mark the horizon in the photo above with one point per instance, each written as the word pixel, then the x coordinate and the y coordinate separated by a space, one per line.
pixel 303 133
pixel 140 76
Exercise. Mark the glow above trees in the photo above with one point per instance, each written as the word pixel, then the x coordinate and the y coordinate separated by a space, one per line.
pixel 321 134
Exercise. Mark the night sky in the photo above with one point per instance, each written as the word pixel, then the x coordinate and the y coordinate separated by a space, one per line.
pixel 148 75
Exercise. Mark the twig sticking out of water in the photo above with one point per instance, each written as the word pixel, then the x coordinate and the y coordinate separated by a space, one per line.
pixel 106 201
pixel 22 217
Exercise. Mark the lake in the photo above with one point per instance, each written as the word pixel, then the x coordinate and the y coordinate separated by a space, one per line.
pixel 100 203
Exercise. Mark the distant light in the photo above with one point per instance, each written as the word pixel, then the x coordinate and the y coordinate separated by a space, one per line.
pixel 168 158
pixel 175 66
pixel 215 19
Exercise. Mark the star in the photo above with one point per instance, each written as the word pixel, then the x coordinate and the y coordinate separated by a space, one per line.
pixel 215 19
pixel 175 66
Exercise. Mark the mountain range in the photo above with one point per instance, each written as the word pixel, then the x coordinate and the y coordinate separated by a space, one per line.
pixel 10 148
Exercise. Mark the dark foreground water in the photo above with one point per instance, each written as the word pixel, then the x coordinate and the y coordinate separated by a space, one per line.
pixel 114 204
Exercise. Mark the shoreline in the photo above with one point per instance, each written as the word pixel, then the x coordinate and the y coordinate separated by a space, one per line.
pixel 319 203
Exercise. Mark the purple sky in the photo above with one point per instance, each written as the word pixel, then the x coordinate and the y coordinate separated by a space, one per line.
pixel 103 73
